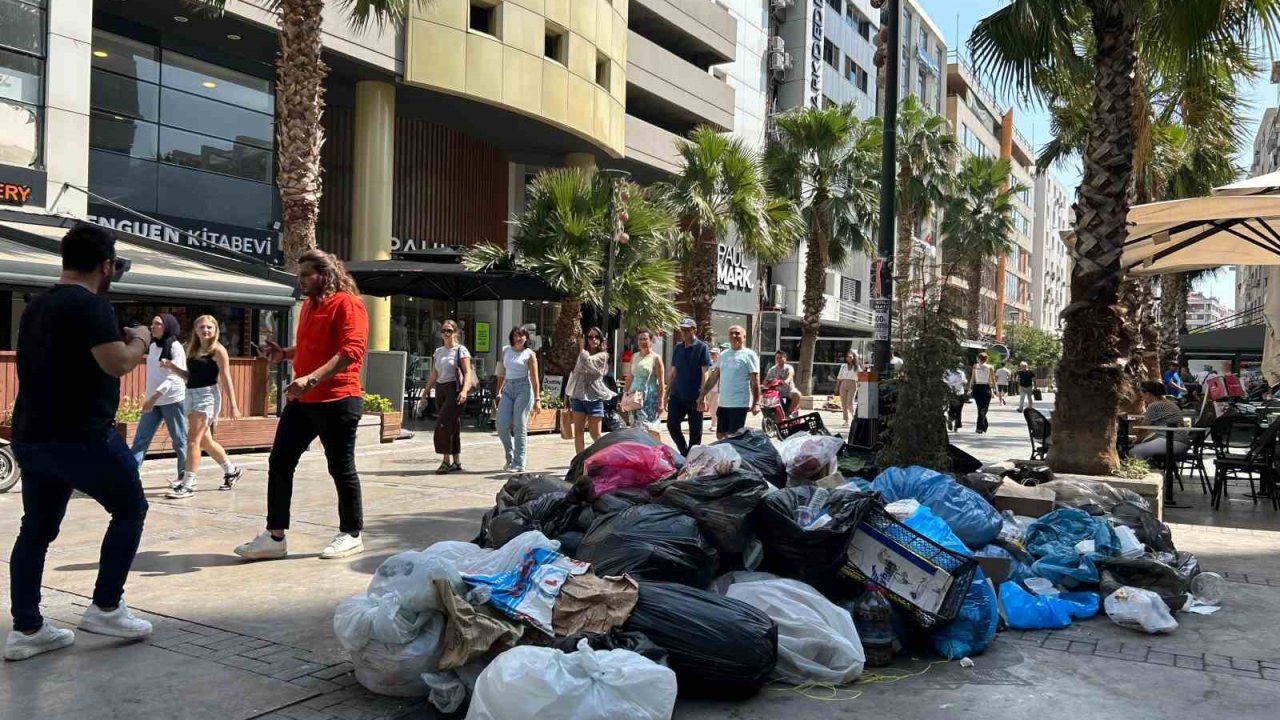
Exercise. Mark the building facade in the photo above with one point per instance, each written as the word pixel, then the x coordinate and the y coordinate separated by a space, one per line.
pixel 1254 281
pixel 985 129
pixel 144 116
pixel 1050 260
pixel 1204 310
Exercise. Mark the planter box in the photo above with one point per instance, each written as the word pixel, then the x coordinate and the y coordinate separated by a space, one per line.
pixel 543 422
pixel 247 433
pixel 391 423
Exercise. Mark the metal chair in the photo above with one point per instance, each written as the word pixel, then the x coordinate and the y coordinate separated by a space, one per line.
pixel 413 391
pixel 1039 428
pixel 1193 462
pixel 1229 437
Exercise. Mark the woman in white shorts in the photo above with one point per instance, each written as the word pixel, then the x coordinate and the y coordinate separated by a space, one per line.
pixel 208 373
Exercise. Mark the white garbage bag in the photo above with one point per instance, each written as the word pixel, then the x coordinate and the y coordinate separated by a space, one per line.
pixel 547 684
pixel 397 669
pixel 711 461
pixel 408 575
pixel 362 618
pixel 448 690
pixel 1139 609
pixel 495 562
pixel 817 641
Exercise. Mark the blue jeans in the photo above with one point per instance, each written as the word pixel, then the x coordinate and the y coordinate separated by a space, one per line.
pixel 175 419
pixel 513 419
pixel 101 468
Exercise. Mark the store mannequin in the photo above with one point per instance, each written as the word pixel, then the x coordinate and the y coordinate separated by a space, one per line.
pixel 400 334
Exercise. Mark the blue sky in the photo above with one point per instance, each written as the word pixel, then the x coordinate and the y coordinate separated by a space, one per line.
pixel 956 18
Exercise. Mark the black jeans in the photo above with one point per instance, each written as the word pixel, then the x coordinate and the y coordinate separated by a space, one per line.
pixel 335 424
pixel 677 410
pixel 982 398
pixel 103 469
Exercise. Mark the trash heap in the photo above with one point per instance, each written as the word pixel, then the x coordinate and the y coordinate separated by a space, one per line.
pixel 641 575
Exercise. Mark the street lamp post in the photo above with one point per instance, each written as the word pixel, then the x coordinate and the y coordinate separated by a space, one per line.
pixel 866 429
pixel 618 196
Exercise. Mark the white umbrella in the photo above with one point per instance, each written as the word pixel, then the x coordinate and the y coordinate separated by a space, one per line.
pixel 1268 184
pixel 1203 232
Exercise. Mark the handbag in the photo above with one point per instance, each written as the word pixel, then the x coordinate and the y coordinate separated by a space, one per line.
pixel 632 401
pixel 1035 394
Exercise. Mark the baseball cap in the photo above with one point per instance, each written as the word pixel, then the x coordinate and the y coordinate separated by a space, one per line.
pixel 688 323
pixel 724 346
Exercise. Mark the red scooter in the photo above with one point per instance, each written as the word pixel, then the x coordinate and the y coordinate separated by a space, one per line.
pixel 773 407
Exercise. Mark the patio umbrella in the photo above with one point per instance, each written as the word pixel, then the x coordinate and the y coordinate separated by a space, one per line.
pixel 1204 232
pixel 445 281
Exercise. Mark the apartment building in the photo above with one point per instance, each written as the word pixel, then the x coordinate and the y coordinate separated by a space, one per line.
pixel 1254 281
pixel 1050 260
pixel 1204 310
pixel 983 128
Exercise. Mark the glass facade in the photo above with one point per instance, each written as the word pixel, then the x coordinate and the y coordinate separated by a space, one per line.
pixel 178 136
pixel 22 56
pixel 828 355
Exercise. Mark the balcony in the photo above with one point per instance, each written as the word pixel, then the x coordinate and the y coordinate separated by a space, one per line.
pixel 666 90
pixel 651 146
pixel 700 31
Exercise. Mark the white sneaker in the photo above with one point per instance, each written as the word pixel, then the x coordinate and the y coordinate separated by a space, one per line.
pixel 508 467
pixel 175 483
pixel 117 623
pixel 264 547
pixel 20 646
pixel 343 545
pixel 184 489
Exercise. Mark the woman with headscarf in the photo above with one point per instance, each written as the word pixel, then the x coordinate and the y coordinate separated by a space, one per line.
pixel 166 391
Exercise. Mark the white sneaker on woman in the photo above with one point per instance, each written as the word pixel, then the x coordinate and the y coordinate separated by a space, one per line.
pixel 342 545
pixel 117 623
pixel 20 646
pixel 264 547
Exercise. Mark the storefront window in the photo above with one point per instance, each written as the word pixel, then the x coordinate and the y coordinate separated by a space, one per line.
pixel 22 53
pixel 415 329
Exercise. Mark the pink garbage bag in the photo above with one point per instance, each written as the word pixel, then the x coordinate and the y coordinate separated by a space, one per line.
pixel 628 465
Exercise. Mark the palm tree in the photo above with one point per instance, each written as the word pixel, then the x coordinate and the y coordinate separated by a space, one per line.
pixel 300 74
pixel 977 224
pixel 721 190
pixel 827 162
pixel 563 236
pixel 926 156
pixel 1097 43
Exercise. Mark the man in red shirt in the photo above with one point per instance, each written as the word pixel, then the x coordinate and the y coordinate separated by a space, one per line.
pixel 325 400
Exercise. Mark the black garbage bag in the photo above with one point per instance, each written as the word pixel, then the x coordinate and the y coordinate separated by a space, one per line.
pixel 757 450
pixel 615 639
pixel 812 556
pixel 650 542
pixel 719 648
pixel 620 500
pixel 627 435
pixel 518 490
pixel 985 484
pixel 1146 573
pixel 1025 474
pixel 550 514
pixel 569 543
pixel 1184 563
pixel 723 505
pixel 962 463
pixel 1150 532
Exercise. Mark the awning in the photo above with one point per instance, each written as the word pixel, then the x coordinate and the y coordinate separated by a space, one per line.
pixel 30 258
pixel 446 281
pixel 1203 232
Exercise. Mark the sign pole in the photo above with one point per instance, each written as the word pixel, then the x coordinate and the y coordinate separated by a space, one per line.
pixel 865 432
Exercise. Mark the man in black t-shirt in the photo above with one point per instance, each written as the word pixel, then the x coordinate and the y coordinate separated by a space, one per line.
pixel 1026 386
pixel 71 356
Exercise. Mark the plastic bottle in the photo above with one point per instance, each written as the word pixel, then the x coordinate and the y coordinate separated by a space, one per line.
pixel 873 617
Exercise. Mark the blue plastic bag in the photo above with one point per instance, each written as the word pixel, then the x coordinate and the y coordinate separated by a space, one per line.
pixel 970 517
pixel 1024 611
pixel 974 626
pixel 1081 605
pixel 1052 541
pixel 1018 570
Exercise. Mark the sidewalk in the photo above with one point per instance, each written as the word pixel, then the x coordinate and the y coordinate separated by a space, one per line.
pixel 242 640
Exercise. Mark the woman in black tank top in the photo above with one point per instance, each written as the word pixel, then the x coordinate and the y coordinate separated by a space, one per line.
pixel 207 364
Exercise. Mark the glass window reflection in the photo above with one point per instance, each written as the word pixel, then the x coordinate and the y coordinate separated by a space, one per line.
pixel 214 118
pixel 212 81
pixel 215 155
pixel 123 135
pixel 126 57
pixel 120 95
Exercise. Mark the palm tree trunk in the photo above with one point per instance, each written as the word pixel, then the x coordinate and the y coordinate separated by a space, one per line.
pixel 902 286
pixel 974 298
pixel 564 339
pixel 1173 294
pixel 300 74
pixel 701 279
pixel 1094 343
pixel 815 282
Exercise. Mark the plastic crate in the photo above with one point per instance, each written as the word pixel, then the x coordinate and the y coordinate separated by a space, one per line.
pixel 811 423
pixel 924 578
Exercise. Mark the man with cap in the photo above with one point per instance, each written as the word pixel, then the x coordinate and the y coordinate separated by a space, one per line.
pixel 689 361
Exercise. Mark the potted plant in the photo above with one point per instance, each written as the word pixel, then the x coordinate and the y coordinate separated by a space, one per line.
pixel 128 413
pixel 378 411
pixel 6 423
pixel 545 421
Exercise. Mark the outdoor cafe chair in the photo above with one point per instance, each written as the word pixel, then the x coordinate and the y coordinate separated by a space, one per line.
pixel 1193 462
pixel 1038 427
pixel 1229 437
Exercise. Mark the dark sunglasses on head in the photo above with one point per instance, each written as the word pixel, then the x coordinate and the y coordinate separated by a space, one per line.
pixel 119 266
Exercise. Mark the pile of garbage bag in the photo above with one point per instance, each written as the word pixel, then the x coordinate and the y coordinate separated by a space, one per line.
pixel 641 576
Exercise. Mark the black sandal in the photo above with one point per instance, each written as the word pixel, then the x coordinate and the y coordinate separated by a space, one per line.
pixel 456 467
pixel 444 468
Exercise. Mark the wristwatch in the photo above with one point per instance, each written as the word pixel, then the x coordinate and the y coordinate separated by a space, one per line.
pixel 312 382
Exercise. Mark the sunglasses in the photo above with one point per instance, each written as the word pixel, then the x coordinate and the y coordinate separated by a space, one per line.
pixel 446 331
pixel 594 337
pixel 119 266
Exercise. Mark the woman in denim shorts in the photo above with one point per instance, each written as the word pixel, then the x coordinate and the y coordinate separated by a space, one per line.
pixel 587 389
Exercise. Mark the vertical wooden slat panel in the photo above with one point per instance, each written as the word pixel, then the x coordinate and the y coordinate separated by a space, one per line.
pixel 333 230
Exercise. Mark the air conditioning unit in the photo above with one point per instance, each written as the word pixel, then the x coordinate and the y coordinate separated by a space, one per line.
pixel 777 44
pixel 779 62
pixel 780 5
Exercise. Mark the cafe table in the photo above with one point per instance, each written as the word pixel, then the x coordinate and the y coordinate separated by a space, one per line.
pixel 1170 463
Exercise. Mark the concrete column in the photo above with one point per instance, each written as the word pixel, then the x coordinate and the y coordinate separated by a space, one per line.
pixel 580 160
pixel 371 197
pixel 1006 153
pixel 66 120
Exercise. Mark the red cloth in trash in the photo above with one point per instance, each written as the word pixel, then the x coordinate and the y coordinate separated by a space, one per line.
pixel 628 465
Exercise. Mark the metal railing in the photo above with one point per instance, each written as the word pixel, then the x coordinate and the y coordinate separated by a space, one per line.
pixel 1245 318
pixel 853 312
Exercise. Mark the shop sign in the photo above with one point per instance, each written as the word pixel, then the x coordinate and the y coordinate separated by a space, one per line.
pixel 733 270
pixel 553 384
pixel 261 244
pixel 482 337
pixel 22 186
pixel 818 34
pixel 881 307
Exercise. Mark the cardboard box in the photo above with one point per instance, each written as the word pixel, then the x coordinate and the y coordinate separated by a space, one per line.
pixel 996 569
pixel 875 558
pixel 1030 502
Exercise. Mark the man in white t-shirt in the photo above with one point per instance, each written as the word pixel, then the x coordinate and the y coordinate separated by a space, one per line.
pixel 738 374
pixel 1003 376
